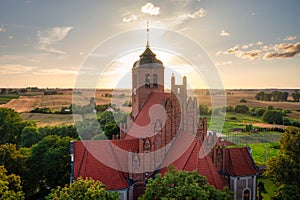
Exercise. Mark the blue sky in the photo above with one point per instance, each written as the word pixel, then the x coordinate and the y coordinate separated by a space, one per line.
pixel 254 43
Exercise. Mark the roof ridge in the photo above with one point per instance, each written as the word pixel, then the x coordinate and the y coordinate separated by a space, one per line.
pixel 252 161
pixel 85 149
pixel 188 158
pixel 212 175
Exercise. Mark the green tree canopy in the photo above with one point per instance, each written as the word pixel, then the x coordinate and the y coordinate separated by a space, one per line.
pixel 82 189
pixel 241 109
pixel 204 109
pixel 29 136
pixel 11 126
pixel 50 162
pixel 10 186
pixel 111 129
pixel 296 96
pixel 284 170
pixel 182 185
pixel 273 116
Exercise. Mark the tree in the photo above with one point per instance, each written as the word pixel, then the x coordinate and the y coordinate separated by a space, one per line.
pixel 204 109
pixel 296 96
pixel 284 96
pixel 290 192
pixel 260 96
pixel 273 116
pixel 82 189
pixel 50 162
pixel 243 100
pixel 29 136
pixel 260 111
pixel 10 186
pixel 16 162
pixel 182 185
pixel 11 126
pixel 284 170
pixel 241 109
pixel 111 129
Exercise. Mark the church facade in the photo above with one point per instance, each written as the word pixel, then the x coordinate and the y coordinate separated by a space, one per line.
pixel 162 130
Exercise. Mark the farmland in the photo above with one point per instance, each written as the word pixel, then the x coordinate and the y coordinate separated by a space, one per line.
pixel 31 100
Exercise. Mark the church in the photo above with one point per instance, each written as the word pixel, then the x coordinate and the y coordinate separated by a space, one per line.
pixel 164 129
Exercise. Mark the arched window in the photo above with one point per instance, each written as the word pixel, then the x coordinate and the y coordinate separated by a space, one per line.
pixel 246 194
pixel 147 80
pixel 155 84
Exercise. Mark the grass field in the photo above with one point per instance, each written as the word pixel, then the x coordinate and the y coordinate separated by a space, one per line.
pixel 6 98
pixel 269 187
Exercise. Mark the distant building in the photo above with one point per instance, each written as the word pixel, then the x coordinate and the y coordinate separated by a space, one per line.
pixel 163 130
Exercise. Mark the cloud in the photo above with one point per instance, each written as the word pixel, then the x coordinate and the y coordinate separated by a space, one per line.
pixel 236 50
pixel 232 50
pixel 259 43
pixel 14 69
pixel 10 37
pixel 55 71
pixel 50 37
pixel 198 13
pixel 224 33
pixel 253 54
pixel 2 29
pixel 150 9
pixel 284 51
pixel 129 18
pixel 290 38
pixel 222 63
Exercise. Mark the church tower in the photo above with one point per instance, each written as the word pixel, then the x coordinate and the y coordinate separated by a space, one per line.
pixel 147 77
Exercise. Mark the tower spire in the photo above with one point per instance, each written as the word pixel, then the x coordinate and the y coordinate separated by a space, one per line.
pixel 147 46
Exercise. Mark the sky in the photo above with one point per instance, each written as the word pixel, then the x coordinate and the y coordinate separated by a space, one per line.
pixel 48 43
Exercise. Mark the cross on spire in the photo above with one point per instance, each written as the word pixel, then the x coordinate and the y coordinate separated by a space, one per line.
pixel 147 46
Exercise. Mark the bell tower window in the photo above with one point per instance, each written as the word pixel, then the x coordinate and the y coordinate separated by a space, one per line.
pixel 147 80
pixel 155 85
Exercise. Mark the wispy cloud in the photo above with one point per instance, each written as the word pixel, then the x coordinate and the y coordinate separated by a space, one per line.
pixel 55 71
pixel 221 63
pixel 14 69
pixel 150 9
pixel 198 13
pixel 224 33
pixel 50 37
pixel 2 29
pixel 253 54
pixel 290 38
pixel 283 50
pixel 247 46
pixel 130 18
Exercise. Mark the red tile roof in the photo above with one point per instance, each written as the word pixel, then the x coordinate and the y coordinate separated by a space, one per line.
pixel 191 160
pixel 150 112
pixel 98 159
pixel 238 162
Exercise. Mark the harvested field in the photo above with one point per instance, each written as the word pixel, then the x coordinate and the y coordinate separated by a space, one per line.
pixel 49 119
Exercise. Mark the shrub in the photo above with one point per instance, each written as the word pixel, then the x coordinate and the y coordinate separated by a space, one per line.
pixel 273 116
pixel 243 100
pixel 241 109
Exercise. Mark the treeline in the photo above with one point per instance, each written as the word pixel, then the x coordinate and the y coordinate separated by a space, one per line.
pixel 277 96
pixel 75 109
pixel 269 114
